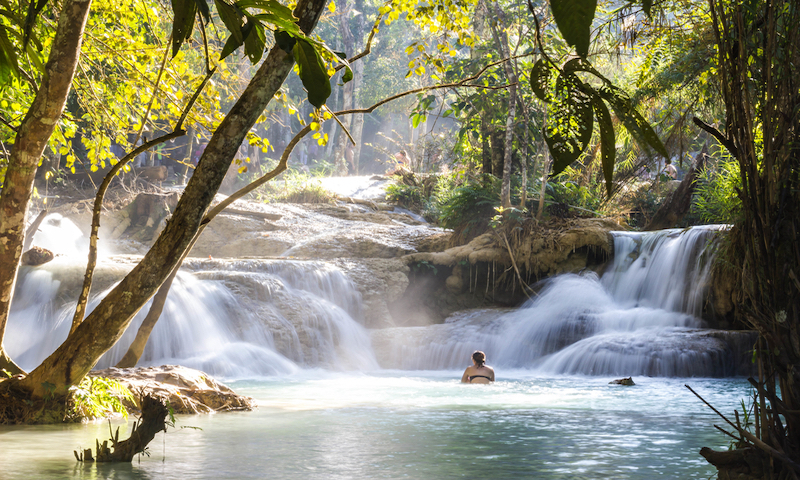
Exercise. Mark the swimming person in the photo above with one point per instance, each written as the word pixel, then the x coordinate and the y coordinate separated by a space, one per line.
pixel 478 372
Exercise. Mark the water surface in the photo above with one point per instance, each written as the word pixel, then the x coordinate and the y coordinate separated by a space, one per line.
pixel 419 425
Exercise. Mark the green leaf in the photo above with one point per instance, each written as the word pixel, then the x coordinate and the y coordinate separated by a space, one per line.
pixel 8 59
pixel 312 72
pixel 348 75
pixel 541 73
pixel 202 7
pixel 284 41
pixel 647 5
pixel 608 147
pixel 281 23
pixel 638 127
pixel 230 46
pixel 571 122
pixel 272 6
pixel 232 18
pixel 182 22
pixel 254 40
pixel 574 20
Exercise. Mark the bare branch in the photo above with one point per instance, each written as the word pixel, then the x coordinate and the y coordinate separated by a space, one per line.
pixel 724 141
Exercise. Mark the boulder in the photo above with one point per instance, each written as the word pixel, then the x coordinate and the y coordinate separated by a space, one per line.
pixel 622 381
pixel 36 256
pixel 187 390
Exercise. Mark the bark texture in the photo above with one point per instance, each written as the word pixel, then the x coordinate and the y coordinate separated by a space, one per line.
pixel 501 39
pixel 153 420
pixel 31 140
pixel 103 327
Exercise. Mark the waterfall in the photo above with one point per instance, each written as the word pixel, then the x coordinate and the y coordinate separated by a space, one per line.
pixel 255 317
pixel 227 318
pixel 641 318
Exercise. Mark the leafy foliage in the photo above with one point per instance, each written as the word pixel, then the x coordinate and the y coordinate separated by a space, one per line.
pixel 572 107
pixel 408 196
pixel 715 199
pixel 469 203
pixel 98 397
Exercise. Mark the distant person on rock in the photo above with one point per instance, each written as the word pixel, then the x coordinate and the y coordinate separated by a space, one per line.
pixel 670 170
pixel 478 372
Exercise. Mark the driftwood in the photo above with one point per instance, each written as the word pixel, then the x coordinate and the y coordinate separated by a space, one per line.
pixel 678 202
pixel 152 421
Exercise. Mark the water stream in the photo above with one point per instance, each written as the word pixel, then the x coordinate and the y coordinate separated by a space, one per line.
pixel 338 401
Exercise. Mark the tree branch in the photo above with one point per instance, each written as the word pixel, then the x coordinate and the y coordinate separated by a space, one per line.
pixel 725 142
pixel 80 308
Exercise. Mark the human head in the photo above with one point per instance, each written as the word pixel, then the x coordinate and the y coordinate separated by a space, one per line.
pixel 479 358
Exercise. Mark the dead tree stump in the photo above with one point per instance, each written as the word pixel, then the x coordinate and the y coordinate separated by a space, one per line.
pixel 152 421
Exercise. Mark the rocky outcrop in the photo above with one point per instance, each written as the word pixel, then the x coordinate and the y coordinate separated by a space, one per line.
pixel 541 250
pixel 36 256
pixel 381 282
pixel 187 390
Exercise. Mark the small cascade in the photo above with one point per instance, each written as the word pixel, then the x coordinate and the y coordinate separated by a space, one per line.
pixel 640 319
pixel 232 319
pixel 668 269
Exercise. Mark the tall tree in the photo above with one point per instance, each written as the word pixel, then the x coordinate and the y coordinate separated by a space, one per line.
pixel 29 144
pixel 106 323
pixel 759 71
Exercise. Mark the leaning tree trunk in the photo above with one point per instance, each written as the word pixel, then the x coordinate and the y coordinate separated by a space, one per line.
pixel 105 325
pixel 32 137
pixel 677 204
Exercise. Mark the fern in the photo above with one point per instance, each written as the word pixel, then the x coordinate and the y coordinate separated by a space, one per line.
pixel 98 397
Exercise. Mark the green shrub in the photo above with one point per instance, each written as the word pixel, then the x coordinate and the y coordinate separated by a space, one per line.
pixel 407 196
pixel 467 204
pixel 715 199
pixel 311 192
pixel 98 397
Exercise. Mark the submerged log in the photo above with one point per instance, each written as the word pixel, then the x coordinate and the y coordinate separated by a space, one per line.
pixel 152 421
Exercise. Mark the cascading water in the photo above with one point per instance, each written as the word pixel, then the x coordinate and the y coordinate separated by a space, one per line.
pixel 238 318
pixel 228 318
pixel 640 319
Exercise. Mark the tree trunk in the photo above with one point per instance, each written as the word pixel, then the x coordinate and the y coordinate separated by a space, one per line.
pixel 153 420
pixel 759 86
pixel 501 39
pixel 677 204
pixel 135 350
pixel 344 150
pixel 31 140
pixel 103 327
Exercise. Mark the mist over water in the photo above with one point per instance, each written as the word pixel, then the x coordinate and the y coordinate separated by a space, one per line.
pixel 639 319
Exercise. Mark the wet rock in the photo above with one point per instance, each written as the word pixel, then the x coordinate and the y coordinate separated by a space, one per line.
pixel 380 281
pixel 187 390
pixel 546 251
pixel 622 381
pixel 36 256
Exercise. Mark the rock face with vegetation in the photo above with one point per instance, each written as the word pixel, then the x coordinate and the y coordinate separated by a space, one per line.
pixel 186 390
